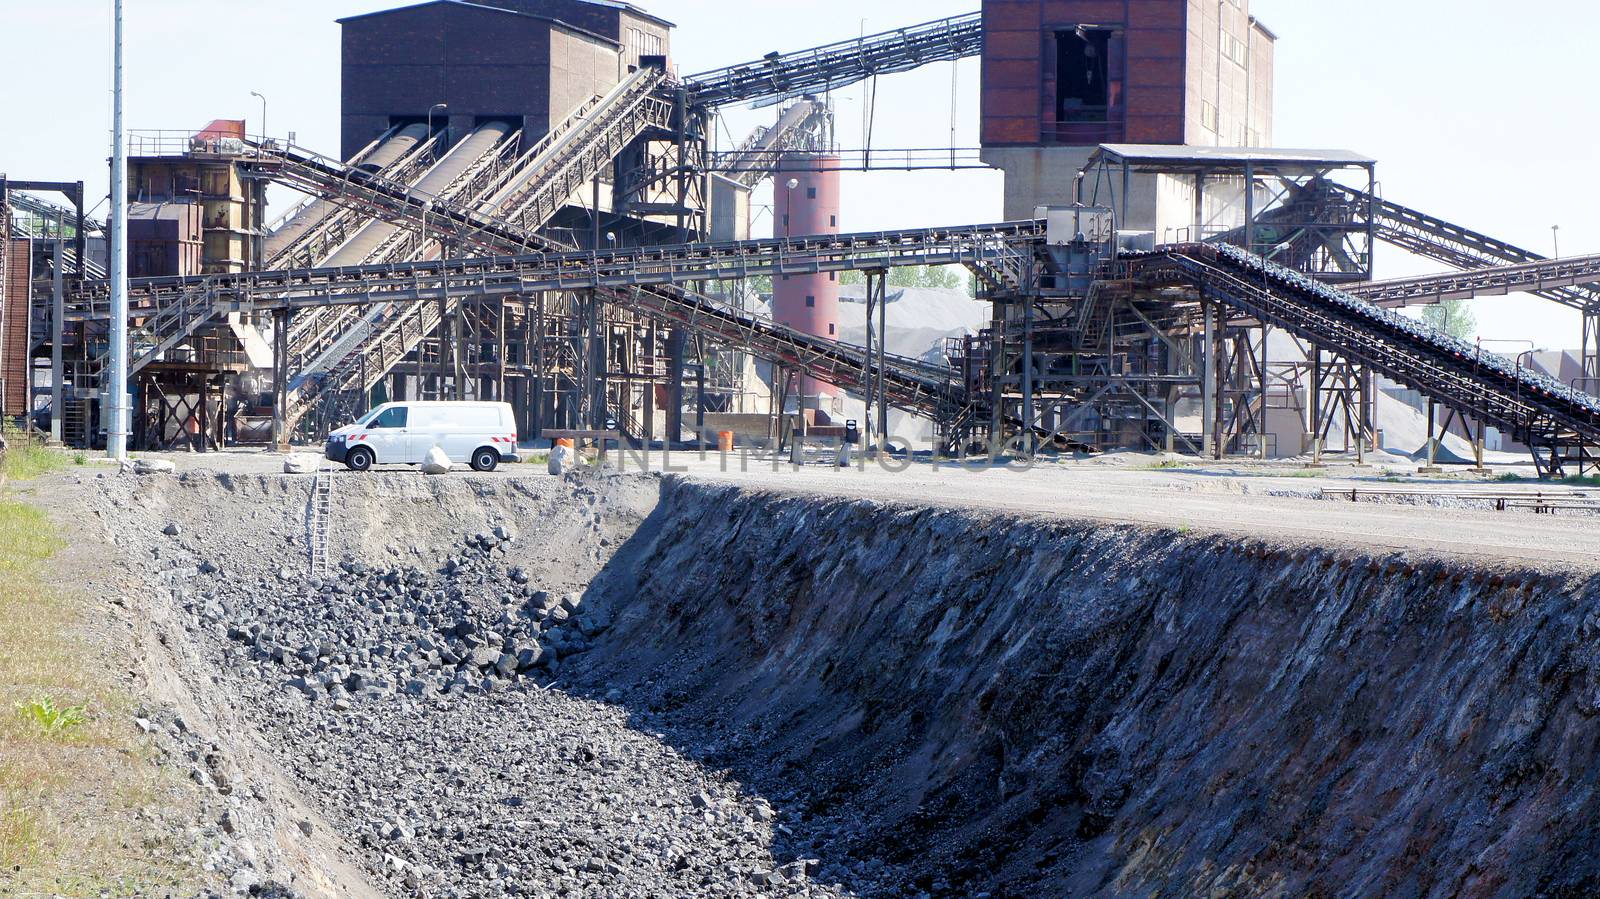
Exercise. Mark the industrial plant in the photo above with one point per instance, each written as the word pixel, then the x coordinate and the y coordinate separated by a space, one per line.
pixel 1258 506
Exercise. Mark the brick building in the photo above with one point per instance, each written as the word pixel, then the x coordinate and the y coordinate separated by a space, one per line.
pixel 1061 77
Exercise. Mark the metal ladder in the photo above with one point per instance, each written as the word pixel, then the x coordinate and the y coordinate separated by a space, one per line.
pixel 321 519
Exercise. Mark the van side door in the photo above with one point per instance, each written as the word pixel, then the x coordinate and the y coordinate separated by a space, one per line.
pixel 427 431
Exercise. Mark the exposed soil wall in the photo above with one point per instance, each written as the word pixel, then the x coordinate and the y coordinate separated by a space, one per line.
pixel 968 704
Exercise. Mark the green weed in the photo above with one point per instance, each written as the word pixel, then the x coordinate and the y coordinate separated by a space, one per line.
pixel 43 712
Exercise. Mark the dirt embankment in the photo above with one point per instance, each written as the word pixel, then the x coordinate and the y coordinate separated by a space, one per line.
pixel 1026 707
pixel 785 695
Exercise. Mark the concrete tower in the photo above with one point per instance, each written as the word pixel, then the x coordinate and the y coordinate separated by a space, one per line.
pixel 809 303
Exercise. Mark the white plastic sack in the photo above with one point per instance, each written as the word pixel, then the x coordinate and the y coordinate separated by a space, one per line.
pixel 436 462
pixel 562 458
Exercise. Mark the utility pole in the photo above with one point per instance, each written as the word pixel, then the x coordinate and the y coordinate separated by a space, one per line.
pixel 116 381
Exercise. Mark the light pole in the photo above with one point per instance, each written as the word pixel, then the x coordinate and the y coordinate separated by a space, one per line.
pixel 1555 237
pixel 117 377
pixel 263 100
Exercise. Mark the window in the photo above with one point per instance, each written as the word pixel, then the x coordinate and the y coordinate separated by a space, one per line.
pixel 833 276
pixel 643 43
pixel 1235 50
pixel 830 329
pixel 393 417
pixel 1208 117
pixel 833 221
pixel 811 302
pixel 1084 75
pixel 811 193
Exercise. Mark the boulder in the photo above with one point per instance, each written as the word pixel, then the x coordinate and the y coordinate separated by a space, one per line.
pixel 529 656
pixel 301 463
pixel 436 462
pixel 562 459
pixel 484 657
pixel 153 466
pixel 506 665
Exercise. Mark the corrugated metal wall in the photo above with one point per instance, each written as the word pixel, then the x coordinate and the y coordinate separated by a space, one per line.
pixel 14 328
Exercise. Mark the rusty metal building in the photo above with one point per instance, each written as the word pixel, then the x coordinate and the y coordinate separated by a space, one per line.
pixel 15 280
pixel 1061 77
pixel 527 62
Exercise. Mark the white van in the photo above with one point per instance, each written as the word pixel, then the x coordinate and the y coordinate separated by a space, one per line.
pixel 482 434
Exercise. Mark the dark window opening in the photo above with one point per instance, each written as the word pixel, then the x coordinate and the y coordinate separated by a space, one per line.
pixel 811 193
pixel 833 276
pixel 811 302
pixel 833 221
pixel 1084 75
pixel 830 329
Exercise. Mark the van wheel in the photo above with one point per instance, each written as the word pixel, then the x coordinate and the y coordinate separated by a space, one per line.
pixel 359 459
pixel 485 458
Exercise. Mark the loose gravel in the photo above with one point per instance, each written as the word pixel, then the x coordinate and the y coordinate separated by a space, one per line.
pixel 419 706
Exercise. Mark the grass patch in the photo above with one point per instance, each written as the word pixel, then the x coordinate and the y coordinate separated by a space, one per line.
pixel 1588 480
pixel 81 790
pixel 27 459
pixel 1169 464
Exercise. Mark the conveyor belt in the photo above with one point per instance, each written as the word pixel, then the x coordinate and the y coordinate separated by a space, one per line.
pixel 644 279
pixel 383 157
pixel 582 269
pixel 802 125
pixel 1544 414
pixel 1456 246
pixel 45 211
pixel 784 76
pixel 1528 277
pixel 470 150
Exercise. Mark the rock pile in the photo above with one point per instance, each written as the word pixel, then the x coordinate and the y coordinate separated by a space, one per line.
pixel 413 706
pixel 472 626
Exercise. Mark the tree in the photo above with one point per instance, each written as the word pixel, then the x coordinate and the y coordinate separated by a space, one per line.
pixel 1453 317
pixel 931 277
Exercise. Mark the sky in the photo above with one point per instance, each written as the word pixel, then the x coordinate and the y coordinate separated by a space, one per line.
pixel 1480 118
